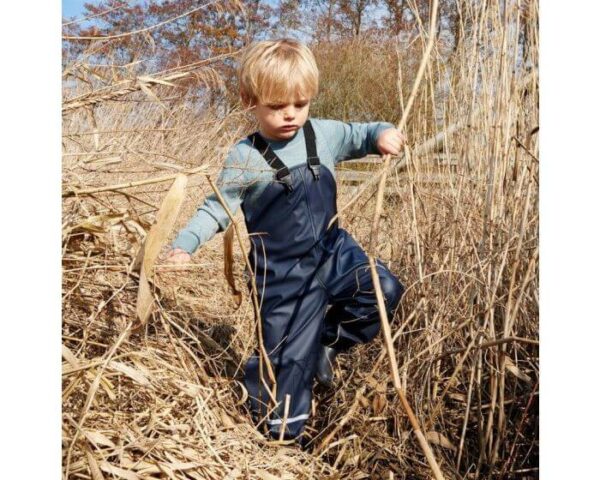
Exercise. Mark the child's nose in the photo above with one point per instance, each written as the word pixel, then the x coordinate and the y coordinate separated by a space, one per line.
pixel 288 112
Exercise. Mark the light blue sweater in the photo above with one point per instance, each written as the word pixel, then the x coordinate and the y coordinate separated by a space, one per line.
pixel 246 173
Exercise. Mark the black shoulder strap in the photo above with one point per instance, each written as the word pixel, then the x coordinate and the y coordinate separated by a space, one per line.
pixel 282 172
pixel 311 149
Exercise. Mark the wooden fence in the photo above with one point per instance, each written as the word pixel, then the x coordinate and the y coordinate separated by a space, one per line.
pixel 436 169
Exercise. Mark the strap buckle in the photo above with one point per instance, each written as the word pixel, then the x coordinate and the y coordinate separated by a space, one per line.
pixel 283 175
pixel 315 166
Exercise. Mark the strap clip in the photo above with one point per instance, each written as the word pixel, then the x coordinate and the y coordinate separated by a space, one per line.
pixel 314 165
pixel 283 175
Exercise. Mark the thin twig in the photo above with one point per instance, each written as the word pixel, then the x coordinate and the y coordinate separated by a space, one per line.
pixel 492 343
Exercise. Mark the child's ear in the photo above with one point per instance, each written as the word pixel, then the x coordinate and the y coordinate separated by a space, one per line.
pixel 246 100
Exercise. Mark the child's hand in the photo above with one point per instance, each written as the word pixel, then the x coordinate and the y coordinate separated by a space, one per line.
pixel 177 256
pixel 390 141
pixel 167 271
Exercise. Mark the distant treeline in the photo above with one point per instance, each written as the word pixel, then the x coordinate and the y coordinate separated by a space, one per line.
pixel 356 43
pixel 185 31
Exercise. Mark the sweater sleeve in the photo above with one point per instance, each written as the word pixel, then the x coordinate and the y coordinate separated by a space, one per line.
pixel 352 140
pixel 211 217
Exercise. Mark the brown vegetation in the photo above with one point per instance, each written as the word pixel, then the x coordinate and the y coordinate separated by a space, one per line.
pixel 459 227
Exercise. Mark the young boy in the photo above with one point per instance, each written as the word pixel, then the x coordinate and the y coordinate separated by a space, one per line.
pixel 283 177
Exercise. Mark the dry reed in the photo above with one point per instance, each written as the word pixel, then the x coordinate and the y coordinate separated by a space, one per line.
pixel 165 401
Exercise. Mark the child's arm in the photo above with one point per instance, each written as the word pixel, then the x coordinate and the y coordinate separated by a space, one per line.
pixel 355 140
pixel 211 217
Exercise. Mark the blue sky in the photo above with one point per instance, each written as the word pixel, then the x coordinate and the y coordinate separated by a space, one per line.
pixel 74 8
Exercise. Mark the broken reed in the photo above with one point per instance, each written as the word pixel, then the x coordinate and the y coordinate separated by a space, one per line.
pixel 464 245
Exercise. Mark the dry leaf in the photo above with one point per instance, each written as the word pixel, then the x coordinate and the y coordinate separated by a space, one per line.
pixel 190 453
pixel 91 393
pixel 94 469
pixel 108 388
pixel 131 372
pixel 189 389
pixel 439 439
pixel 146 89
pixel 165 469
pixel 228 267
pixel 98 438
pixel 183 465
pixel 97 223
pixel 226 419
pixel 148 79
pixel 264 475
pixel 459 397
pixel 233 475
pixel 119 472
pixel 69 357
pixel 512 368
pixel 165 219
pixel 379 403
pixel 144 298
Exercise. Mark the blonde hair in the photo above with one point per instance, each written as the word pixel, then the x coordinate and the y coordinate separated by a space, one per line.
pixel 274 71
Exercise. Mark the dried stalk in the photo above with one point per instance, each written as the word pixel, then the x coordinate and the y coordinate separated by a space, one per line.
pixel 375 276
pixel 121 186
pixel 129 86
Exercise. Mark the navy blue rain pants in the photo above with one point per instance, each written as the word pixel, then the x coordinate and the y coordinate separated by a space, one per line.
pixel 301 268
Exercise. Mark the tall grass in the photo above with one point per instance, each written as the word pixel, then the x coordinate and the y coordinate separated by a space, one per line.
pixel 459 227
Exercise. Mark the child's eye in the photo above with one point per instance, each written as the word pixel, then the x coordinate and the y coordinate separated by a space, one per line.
pixel 276 106
pixel 301 105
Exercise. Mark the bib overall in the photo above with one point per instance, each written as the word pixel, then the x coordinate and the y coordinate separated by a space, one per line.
pixel 301 268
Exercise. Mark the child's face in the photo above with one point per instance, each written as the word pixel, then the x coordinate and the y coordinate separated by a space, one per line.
pixel 280 121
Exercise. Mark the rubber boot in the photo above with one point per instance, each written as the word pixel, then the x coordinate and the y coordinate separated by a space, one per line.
pixel 325 363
